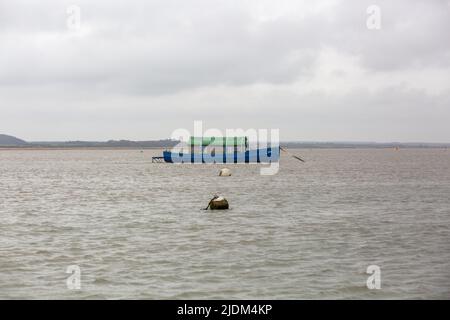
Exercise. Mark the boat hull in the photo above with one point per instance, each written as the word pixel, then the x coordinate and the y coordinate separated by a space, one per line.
pixel 266 155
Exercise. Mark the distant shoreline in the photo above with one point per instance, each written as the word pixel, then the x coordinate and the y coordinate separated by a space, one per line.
pixel 77 148
pixel 13 143
pixel 49 148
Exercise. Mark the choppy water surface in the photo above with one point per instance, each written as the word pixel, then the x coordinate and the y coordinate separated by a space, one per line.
pixel 136 229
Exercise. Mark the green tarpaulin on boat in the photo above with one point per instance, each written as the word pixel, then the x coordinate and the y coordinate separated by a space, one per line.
pixel 218 141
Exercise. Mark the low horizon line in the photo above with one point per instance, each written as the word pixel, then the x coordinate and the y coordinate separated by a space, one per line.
pixel 281 141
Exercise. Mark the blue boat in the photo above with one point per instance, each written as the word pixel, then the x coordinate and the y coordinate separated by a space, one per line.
pixel 212 150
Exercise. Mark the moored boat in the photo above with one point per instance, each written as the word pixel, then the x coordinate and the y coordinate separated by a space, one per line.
pixel 219 150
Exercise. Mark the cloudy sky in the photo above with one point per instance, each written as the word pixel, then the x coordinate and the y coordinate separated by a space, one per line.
pixel 141 69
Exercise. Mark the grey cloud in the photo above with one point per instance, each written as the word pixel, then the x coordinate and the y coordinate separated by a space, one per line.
pixel 140 60
pixel 128 50
pixel 412 34
pixel 166 46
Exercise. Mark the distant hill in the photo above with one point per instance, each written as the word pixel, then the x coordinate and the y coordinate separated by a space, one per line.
pixel 10 141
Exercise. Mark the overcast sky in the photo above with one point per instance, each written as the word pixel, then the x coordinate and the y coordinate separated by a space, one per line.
pixel 141 69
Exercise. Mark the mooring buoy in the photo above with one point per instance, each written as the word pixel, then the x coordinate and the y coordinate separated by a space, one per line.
pixel 225 172
pixel 217 203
